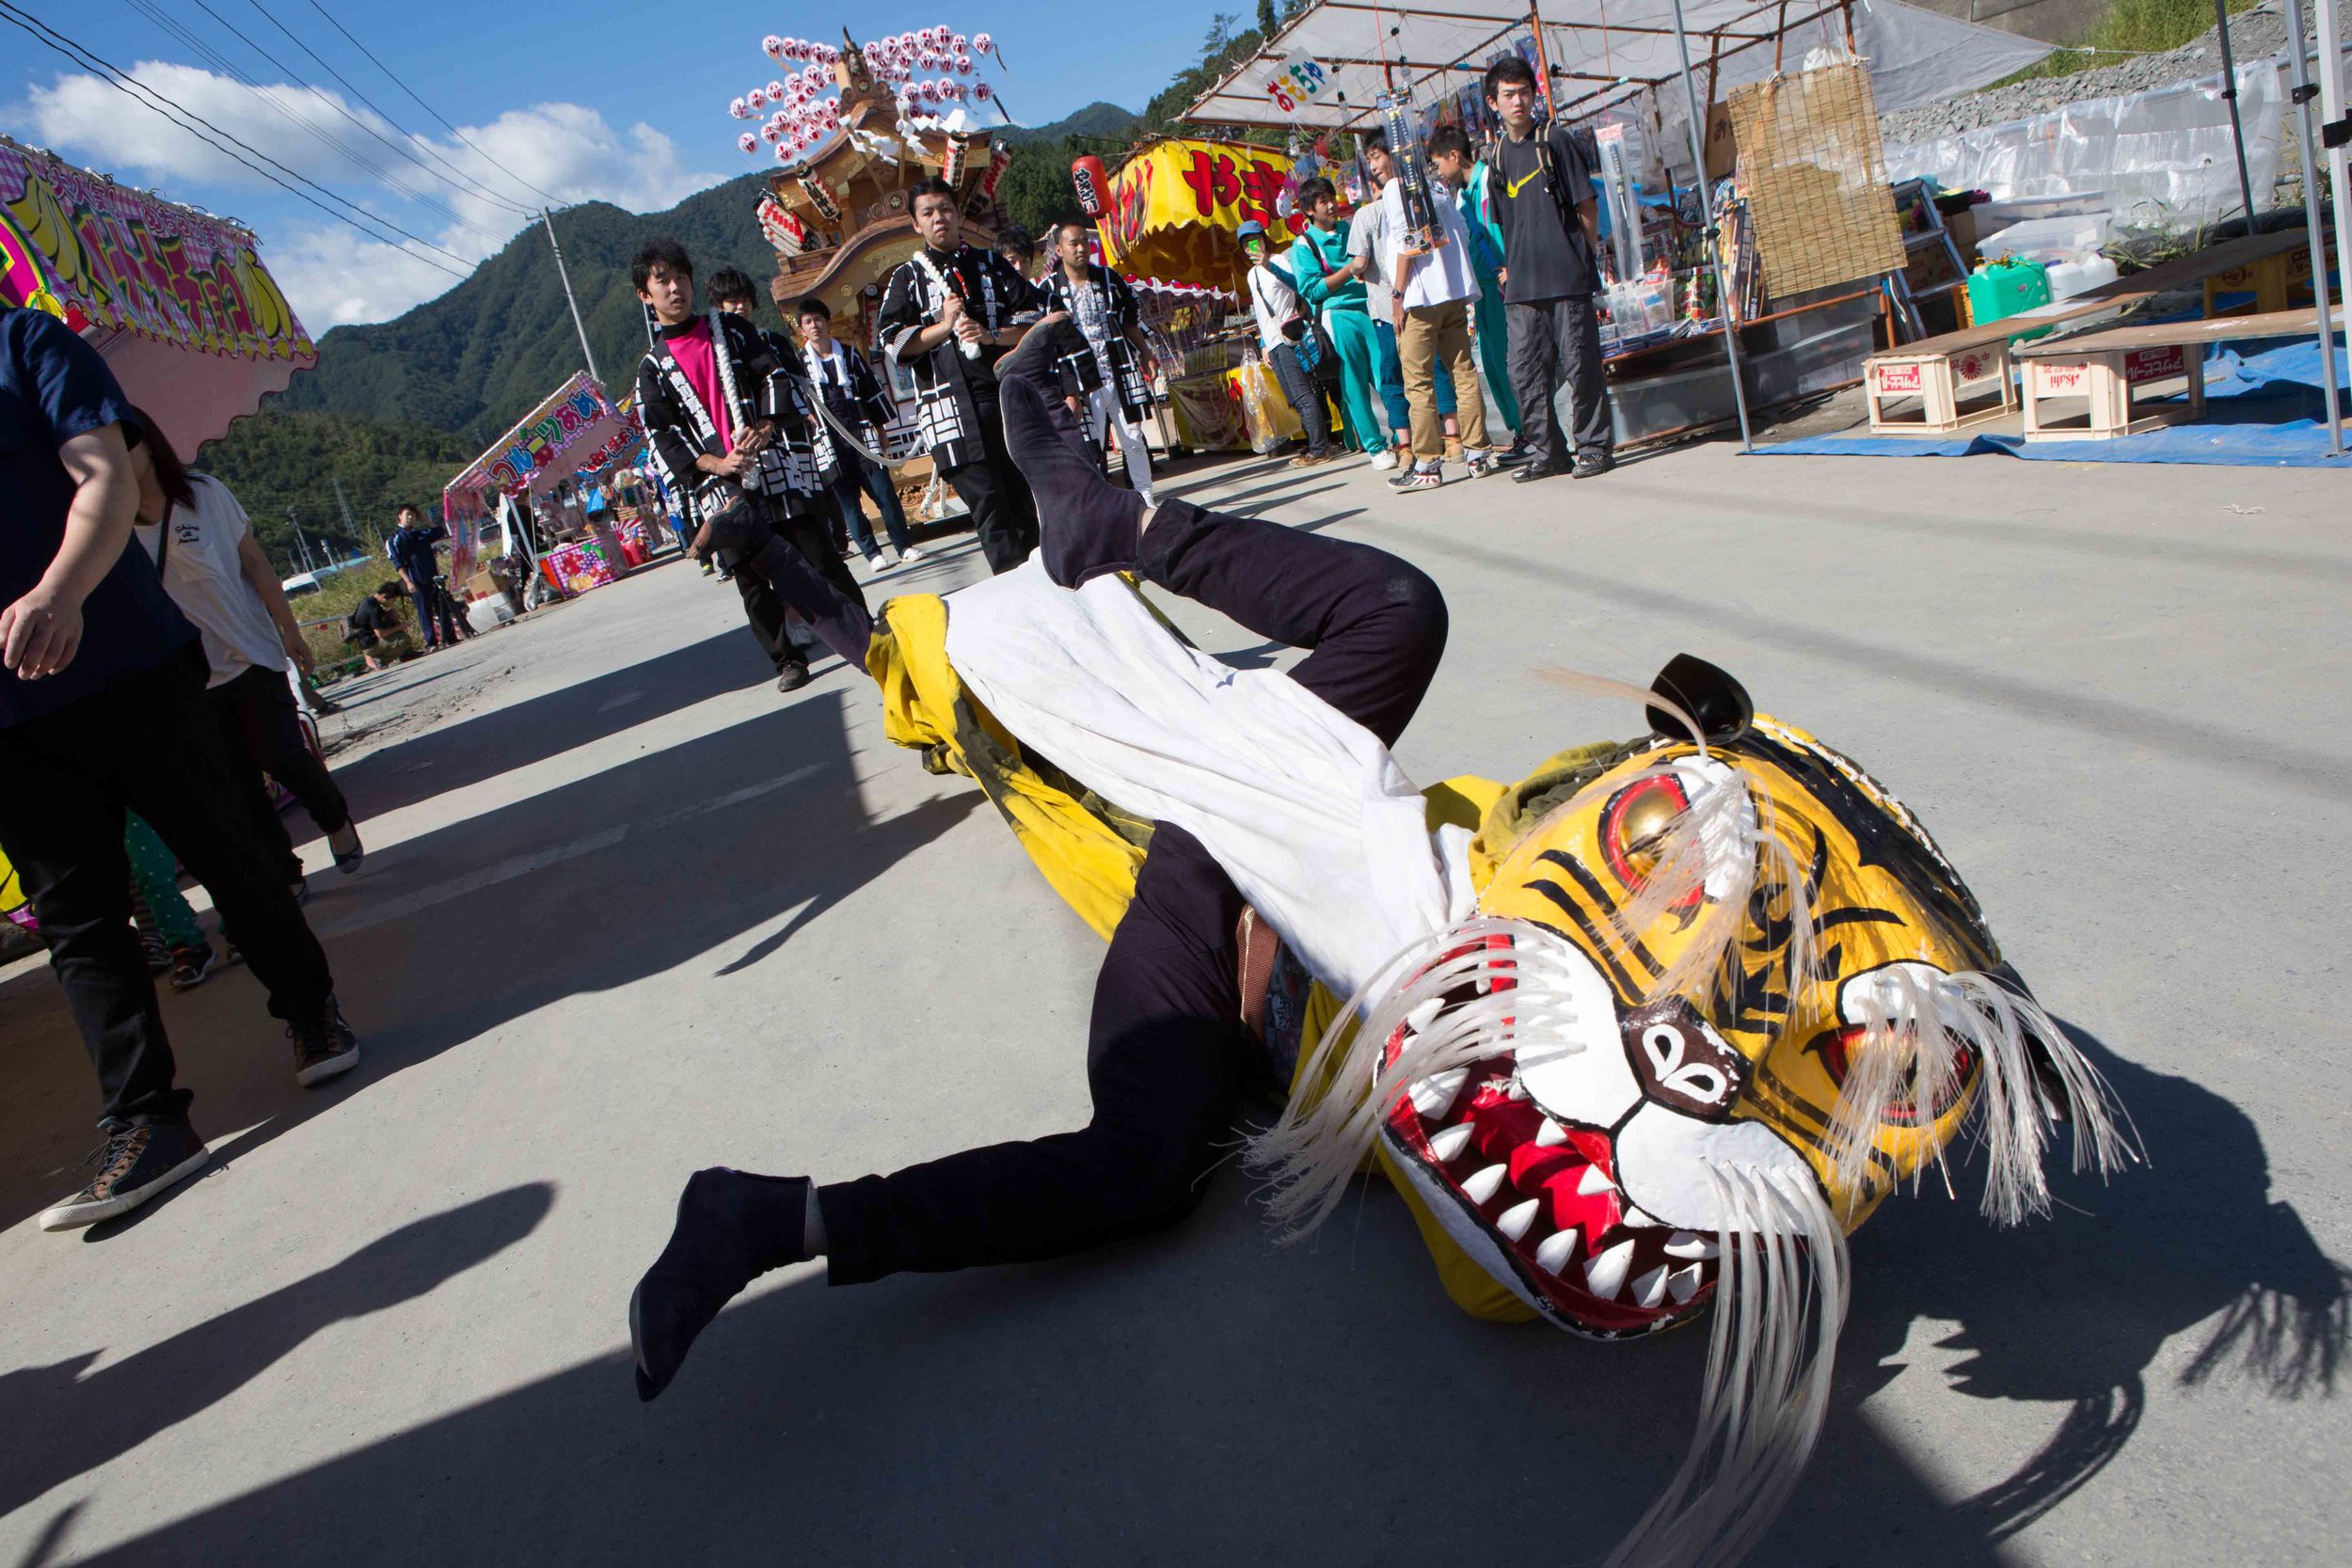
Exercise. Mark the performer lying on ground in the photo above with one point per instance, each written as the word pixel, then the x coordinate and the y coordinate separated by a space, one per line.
pixel 1650 1030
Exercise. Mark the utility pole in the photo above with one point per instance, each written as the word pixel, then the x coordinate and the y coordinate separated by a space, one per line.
pixel 578 326
pixel 302 546
pixel 351 529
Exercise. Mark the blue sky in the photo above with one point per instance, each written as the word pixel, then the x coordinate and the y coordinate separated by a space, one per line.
pixel 624 103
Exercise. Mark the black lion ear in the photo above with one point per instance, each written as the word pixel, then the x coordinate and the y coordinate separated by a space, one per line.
pixel 1708 695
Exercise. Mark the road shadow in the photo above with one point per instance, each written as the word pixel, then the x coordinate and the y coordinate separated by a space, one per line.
pixel 671 857
pixel 1206 1395
pixel 65 1420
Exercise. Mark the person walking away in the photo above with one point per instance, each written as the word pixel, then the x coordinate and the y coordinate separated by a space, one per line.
pixel 948 315
pixel 1117 393
pixel 102 713
pixel 849 390
pixel 1551 243
pixel 1282 332
pixel 1433 294
pixel 721 412
pixel 1329 281
pixel 410 549
pixel 1468 180
pixel 215 570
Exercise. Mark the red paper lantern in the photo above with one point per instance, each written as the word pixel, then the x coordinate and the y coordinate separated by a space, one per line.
pixel 1093 183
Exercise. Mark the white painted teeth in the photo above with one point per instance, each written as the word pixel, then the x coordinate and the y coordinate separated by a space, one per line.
pixel 1684 1283
pixel 1434 1095
pixel 1557 1248
pixel 1635 1218
pixel 1515 1220
pixel 1550 1134
pixel 1606 1273
pixel 1651 1288
pixel 1420 1016
pixel 1485 1183
pixel 1447 1145
pixel 1684 1244
pixel 1595 1180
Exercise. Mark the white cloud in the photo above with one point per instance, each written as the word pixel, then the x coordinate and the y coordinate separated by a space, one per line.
pixel 333 275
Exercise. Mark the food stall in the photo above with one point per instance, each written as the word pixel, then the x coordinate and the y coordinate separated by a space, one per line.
pixel 576 433
pixel 1167 220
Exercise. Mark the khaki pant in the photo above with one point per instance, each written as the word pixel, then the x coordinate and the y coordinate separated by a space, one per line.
pixel 1428 334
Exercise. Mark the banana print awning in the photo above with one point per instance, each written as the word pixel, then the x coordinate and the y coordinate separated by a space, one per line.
pixel 176 300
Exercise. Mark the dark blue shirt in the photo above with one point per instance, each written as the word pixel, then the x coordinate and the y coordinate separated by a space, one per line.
pixel 411 549
pixel 53 387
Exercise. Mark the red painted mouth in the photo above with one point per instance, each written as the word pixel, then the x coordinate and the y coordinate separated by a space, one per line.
pixel 1835 1047
pixel 1546 1192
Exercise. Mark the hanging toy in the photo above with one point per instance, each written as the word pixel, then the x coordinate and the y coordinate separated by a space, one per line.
pixel 772 47
pixel 748 142
pixel 958 43
pixel 757 99
pixel 775 91
pixel 739 108
pixel 963 65
pixel 984 45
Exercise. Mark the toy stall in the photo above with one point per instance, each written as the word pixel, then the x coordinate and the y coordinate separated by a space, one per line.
pixel 1751 246
pixel 1168 221
pixel 576 439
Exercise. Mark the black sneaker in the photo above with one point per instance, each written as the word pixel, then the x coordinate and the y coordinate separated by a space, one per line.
pixel 192 966
pixel 233 955
pixel 324 1048
pixel 792 677
pixel 1537 468
pixel 732 1227
pixel 152 949
pixel 1591 466
pixel 135 1164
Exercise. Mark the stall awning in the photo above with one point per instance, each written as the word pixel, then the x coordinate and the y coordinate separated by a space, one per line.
pixel 1599 51
pixel 178 301
pixel 578 430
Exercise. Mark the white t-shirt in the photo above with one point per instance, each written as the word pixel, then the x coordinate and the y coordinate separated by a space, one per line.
pixel 205 578
pixel 1275 303
pixel 1443 276
pixel 1368 237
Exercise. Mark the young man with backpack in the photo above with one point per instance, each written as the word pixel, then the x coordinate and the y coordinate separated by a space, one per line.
pixel 1543 194
pixel 1285 334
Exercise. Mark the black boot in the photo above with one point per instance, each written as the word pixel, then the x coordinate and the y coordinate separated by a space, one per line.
pixel 732 1227
pixel 1087 526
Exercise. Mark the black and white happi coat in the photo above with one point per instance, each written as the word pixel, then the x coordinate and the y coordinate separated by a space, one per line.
pixel 857 399
pixel 1119 314
pixel 678 428
pixel 997 297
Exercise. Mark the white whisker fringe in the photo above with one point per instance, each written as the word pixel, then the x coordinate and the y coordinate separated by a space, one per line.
pixel 1767 1380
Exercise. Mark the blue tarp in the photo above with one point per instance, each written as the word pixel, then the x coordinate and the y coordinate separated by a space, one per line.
pixel 2263 409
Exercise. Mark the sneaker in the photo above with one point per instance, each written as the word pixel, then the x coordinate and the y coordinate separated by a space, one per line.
pixel 1421 476
pixel 1515 454
pixel 232 957
pixel 324 1048
pixel 876 564
pixel 1534 469
pixel 909 556
pixel 792 677
pixel 1384 458
pixel 192 966
pixel 152 949
pixel 1482 465
pixel 1592 465
pixel 135 1164
pixel 348 849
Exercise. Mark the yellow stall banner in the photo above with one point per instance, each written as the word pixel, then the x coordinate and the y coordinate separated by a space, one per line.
pixel 1175 206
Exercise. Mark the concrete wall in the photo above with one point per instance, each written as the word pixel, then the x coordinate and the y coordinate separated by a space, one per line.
pixel 2052 21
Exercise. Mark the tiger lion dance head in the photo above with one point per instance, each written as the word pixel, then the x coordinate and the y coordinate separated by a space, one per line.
pixel 1721 994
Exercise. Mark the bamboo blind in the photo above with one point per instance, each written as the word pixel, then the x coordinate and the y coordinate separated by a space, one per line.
pixel 1816 179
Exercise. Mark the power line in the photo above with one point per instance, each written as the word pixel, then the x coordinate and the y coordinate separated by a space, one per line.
pixel 335 143
pixel 368 163
pixel 421 104
pixel 468 182
pixel 138 92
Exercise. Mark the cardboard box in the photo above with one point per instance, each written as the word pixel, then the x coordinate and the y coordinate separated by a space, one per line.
pixel 1961 225
pixel 1722 149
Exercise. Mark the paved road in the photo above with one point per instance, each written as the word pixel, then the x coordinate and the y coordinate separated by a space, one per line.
pixel 628 911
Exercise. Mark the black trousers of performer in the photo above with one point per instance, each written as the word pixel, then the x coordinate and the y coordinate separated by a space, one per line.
pixel 1004 514
pixel 1166 1055
pixel 261 734
pixel 800 569
pixel 149 744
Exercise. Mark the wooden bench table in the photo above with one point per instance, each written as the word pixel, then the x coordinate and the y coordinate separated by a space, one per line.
pixel 2108 369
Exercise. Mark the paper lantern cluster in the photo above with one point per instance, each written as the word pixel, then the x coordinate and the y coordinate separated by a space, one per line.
pixel 927 72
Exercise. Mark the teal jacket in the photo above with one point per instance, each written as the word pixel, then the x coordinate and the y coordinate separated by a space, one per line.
pixel 1480 218
pixel 1309 271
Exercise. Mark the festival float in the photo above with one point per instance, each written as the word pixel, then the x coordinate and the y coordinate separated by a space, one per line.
pixel 851 129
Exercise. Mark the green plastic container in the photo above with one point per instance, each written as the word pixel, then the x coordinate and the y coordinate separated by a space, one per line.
pixel 1998 290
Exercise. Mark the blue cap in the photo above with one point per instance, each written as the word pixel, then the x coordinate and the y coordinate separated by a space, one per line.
pixel 1252 229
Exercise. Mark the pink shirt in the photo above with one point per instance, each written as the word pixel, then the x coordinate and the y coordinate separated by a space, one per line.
pixel 700 362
